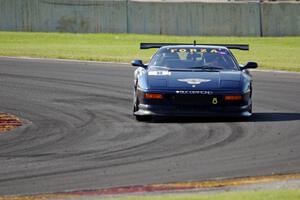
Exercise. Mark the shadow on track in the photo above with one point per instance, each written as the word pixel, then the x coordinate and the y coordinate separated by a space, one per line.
pixel 274 117
pixel 256 117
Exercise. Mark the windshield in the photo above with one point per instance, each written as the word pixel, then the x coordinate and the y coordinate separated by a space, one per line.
pixel 194 57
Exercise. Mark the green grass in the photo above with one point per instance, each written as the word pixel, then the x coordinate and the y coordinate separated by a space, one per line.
pixel 249 195
pixel 280 53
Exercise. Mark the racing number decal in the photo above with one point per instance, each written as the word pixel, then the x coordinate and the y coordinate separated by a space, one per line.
pixel 215 100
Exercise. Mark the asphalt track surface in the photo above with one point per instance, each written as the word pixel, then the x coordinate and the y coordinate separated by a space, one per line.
pixel 79 133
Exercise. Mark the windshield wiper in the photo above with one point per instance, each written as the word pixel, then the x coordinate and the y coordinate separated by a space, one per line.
pixel 199 68
pixel 206 67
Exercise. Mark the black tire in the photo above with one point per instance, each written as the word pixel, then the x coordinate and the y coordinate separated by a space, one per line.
pixel 250 109
pixel 142 118
pixel 135 107
pixel 135 102
pixel 247 118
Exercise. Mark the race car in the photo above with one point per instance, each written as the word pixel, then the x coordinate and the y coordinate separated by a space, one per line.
pixel 192 80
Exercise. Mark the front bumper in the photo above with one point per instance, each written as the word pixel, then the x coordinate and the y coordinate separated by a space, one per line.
pixel 177 104
pixel 171 110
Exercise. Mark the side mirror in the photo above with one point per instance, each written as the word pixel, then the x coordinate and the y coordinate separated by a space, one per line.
pixel 137 63
pixel 250 65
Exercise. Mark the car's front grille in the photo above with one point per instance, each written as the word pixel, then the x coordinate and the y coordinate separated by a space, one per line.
pixel 197 100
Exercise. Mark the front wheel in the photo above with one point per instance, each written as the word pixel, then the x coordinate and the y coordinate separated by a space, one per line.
pixel 249 115
pixel 136 103
pixel 142 118
pixel 250 109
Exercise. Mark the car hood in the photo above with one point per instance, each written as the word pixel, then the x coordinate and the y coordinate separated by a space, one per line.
pixel 194 80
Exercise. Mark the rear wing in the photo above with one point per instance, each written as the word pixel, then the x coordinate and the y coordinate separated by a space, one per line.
pixel 229 46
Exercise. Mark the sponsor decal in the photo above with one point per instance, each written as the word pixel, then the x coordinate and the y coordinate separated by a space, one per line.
pixel 203 50
pixel 159 73
pixel 194 81
pixel 188 50
pixel 195 50
pixel 205 92
pixel 222 52
pixel 215 101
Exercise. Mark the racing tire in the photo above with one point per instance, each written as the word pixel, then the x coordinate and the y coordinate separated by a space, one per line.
pixel 135 102
pixel 250 110
pixel 246 118
pixel 142 118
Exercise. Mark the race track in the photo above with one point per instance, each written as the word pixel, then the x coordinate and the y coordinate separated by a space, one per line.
pixel 79 132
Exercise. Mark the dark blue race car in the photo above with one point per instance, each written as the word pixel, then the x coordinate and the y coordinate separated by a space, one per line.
pixel 192 80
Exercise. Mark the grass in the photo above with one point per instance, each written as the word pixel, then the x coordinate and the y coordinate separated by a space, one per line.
pixel 280 53
pixel 248 195
pixel 241 195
